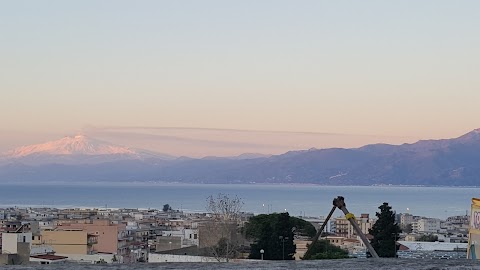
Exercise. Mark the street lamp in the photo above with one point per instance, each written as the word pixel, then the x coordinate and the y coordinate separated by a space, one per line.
pixel 283 239
pixel 170 244
pixel 261 253
pixel 148 251
pixel 132 256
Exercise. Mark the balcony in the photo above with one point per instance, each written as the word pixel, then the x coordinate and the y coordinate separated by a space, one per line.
pixel 125 238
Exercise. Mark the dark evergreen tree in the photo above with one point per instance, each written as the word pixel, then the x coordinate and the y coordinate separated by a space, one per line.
pixel 274 234
pixel 385 232
pixel 166 208
pixel 428 238
pixel 324 250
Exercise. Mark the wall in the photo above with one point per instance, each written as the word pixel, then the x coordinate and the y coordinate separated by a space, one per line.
pixel 156 258
pixel 10 240
pixel 9 243
pixel 6 259
pixel 81 258
pixel 23 252
pixel 415 254
pixel 107 234
pixel 163 243
pixel 67 242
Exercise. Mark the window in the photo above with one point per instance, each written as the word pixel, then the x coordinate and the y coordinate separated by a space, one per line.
pixel 24 239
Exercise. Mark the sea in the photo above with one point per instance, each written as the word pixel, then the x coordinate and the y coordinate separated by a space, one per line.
pixel 298 200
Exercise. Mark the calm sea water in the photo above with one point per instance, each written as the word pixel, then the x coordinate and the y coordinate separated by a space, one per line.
pixel 438 202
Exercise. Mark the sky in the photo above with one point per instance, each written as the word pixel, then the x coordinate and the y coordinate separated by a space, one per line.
pixel 389 71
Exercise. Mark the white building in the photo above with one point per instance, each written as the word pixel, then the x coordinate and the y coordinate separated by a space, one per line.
pixel 426 225
pixel 46 225
pixel 10 241
pixel 189 237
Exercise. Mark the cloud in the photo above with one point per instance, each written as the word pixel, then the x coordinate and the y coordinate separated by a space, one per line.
pixel 200 142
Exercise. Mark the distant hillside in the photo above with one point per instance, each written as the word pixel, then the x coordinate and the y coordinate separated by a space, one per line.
pixel 450 162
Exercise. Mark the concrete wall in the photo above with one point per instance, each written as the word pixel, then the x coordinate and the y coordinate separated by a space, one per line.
pixel 9 259
pixel 416 254
pixel 23 252
pixel 168 243
pixel 81 258
pixel 10 241
pixel 157 258
pixel 209 233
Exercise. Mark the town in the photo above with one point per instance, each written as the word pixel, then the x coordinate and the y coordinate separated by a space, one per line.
pixel 33 235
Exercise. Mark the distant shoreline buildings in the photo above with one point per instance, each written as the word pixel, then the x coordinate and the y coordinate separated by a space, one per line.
pixel 51 235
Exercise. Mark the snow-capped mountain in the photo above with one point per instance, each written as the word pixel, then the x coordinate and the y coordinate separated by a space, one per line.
pixel 76 145
pixel 74 150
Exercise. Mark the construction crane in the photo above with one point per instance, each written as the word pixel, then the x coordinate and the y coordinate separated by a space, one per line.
pixel 339 203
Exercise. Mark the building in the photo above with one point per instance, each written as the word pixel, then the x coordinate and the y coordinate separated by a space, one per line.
pixel 426 225
pixel 68 241
pixel 15 248
pixel 343 228
pixel 111 237
pixel 406 219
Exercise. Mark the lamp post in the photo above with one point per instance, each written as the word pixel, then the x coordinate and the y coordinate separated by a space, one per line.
pixel 148 251
pixel 261 253
pixel 283 239
pixel 132 256
pixel 170 244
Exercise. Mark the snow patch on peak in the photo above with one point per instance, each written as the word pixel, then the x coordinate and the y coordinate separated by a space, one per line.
pixel 76 145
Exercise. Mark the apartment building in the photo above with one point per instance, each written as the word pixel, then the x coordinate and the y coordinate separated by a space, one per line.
pixel 67 241
pixel 111 236
pixel 343 228
pixel 426 225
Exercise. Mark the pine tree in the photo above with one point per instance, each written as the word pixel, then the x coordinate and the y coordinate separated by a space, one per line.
pixel 385 232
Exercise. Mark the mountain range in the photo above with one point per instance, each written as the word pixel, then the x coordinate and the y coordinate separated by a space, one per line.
pixel 448 162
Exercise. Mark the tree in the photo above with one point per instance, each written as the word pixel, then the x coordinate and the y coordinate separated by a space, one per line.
pixel 166 208
pixel 303 227
pixel 324 250
pixel 274 234
pixel 406 228
pixel 254 225
pixel 385 232
pixel 221 234
pixel 428 238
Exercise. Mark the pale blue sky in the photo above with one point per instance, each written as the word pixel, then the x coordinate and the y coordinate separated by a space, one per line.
pixel 387 68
